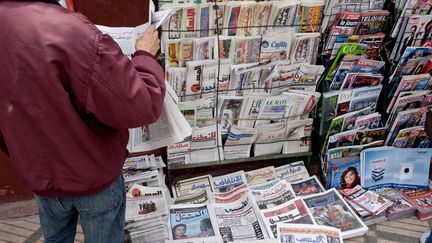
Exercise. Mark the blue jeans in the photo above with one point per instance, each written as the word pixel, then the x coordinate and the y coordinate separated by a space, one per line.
pixel 102 216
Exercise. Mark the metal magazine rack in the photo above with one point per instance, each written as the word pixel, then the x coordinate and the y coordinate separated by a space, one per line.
pixel 219 166
pixel 327 59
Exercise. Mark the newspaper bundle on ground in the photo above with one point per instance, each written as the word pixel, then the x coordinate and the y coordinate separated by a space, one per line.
pixel 330 209
pixel 395 167
pixel 307 186
pixel 299 233
pixel 192 221
pixel 277 194
pixel 292 172
pixel 146 214
pixel 401 208
pixel 228 182
pixel 294 211
pixel 192 185
pixel 366 199
pixel 170 128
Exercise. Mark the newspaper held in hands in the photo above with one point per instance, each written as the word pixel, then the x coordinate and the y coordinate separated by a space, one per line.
pixel 228 182
pixel 239 220
pixel 274 196
pixel 171 127
pixel 297 233
pixel 294 211
pixel 192 221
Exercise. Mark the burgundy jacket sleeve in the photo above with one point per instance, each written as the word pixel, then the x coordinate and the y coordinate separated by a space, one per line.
pixel 124 93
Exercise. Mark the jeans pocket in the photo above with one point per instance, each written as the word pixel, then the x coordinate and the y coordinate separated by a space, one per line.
pixel 103 201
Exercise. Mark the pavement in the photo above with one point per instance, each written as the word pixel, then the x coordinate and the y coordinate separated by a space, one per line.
pixel 27 229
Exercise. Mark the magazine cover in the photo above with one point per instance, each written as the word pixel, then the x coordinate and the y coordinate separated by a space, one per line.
pixel 369 136
pixel 298 233
pixel 395 167
pixel 329 209
pixel 308 16
pixel 192 221
pixel 294 211
pixel 345 175
pixel 400 204
pixel 226 183
pixel 307 187
pixel 371 22
pixel 366 199
pixel 421 199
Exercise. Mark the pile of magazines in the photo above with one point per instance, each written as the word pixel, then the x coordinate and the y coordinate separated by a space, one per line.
pixel 266 203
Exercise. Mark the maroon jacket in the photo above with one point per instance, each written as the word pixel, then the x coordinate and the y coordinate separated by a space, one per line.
pixel 67 97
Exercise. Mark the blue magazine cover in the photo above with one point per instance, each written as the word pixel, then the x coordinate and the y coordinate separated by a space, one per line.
pixel 395 167
pixel 187 222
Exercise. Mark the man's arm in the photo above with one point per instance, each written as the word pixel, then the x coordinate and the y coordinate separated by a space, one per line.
pixel 125 93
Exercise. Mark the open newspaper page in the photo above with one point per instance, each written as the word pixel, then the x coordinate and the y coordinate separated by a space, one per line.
pixel 192 221
pixel 307 187
pixel 293 172
pixel 270 139
pixel 199 197
pixel 213 239
pixel 259 176
pixel 168 129
pixel 239 142
pixel 192 185
pixel 239 220
pixel 294 211
pixel 308 233
pixel 329 209
pixel 228 182
pixel 274 196
pixel 206 145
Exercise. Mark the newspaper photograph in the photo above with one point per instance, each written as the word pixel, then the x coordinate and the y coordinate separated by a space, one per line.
pixel 294 211
pixel 259 176
pixel 228 182
pixel 274 196
pixel 192 221
pixel 292 172
pixel 239 220
pixel 329 209
pixel 145 202
pixel 239 142
pixel 296 233
pixel 191 186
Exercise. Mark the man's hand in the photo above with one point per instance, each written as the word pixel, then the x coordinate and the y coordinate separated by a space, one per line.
pixel 149 41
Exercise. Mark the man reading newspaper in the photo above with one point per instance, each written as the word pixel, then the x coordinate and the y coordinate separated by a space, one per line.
pixel 68 96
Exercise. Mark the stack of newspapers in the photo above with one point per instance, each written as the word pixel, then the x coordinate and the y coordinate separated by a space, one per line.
pixel 147 199
pixel 262 205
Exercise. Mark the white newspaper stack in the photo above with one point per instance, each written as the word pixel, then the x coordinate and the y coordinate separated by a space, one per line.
pixel 146 214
